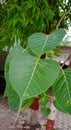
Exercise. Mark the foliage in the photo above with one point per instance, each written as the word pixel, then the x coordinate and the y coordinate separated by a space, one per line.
pixel 19 19
pixel 28 75
pixel 62 87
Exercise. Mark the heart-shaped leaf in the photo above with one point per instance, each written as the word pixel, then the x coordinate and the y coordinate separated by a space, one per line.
pixel 45 111
pixel 31 76
pixel 41 43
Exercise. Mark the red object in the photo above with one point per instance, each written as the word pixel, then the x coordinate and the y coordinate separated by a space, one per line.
pixel 35 104
pixel 50 125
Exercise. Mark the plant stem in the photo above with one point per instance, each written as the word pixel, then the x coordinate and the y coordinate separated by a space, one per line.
pixel 58 24
pixel 51 117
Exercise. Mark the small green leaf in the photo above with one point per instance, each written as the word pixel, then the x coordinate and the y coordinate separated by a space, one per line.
pixel 45 111
pixel 43 100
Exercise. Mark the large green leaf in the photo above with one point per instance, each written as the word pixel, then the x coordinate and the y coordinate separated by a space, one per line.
pixel 31 76
pixel 40 43
pixel 62 90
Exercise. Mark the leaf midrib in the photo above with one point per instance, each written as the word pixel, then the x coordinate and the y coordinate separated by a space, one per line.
pixel 66 82
pixel 31 77
pixel 44 45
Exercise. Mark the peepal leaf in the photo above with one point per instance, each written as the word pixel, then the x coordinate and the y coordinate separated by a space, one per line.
pixel 62 90
pixel 31 76
pixel 40 43
pixel 45 111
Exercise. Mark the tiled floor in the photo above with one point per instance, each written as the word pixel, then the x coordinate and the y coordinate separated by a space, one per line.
pixel 62 122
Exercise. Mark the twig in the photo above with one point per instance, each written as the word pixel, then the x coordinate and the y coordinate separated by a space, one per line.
pixel 51 97
pixel 58 24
